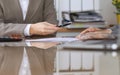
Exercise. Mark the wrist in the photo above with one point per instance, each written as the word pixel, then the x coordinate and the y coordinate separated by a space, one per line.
pixel 27 30
pixel 32 29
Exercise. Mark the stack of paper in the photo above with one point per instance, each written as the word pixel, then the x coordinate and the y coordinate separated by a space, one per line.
pixel 56 39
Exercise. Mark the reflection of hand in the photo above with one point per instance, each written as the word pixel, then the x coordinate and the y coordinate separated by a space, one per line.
pixel 98 34
pixel 43 28
pixel 43 45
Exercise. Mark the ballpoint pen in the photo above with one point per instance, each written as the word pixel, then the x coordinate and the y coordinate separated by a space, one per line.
pixel 66 24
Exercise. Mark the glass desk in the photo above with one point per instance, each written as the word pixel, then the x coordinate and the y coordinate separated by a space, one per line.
pixel 50 58
pixel 16 58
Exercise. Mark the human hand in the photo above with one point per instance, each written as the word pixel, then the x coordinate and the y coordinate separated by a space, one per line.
pixel 90 29
pixel 43 28
pixel 100 34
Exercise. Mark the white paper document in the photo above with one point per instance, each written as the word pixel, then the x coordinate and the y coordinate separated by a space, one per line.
pixel 56 39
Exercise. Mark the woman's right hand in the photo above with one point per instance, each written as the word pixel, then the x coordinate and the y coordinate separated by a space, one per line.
pixel 43 28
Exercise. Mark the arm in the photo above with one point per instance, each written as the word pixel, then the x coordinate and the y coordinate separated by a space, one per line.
pixel 10 28
pixel 49 16
pixel 42 28
pixel 49 12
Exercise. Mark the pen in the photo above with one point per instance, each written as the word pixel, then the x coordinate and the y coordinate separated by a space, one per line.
pixel 66 24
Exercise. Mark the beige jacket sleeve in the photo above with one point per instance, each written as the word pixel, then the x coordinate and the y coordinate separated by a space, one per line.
pixel 49 12
pixel 10 28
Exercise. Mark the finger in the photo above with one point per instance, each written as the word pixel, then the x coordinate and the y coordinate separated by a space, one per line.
pixel 49 24
pixel 82 37
pixel 52 28
pixel 85 31
pixel 96 36
pixel 91 29
pixel 46 32
pixel 50 31
pixel 87 36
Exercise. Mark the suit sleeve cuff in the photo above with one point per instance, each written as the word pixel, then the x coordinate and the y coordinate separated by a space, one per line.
pixel 27 30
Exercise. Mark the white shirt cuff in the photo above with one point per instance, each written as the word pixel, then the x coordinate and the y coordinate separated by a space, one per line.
pixel 27 30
